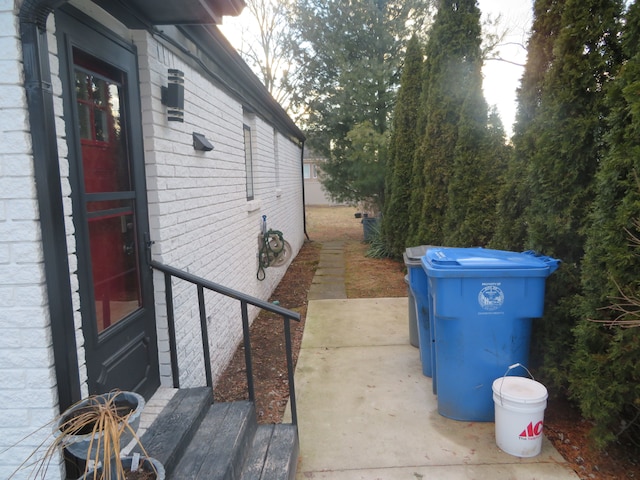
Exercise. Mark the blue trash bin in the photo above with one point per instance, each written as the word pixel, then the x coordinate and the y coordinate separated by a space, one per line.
pixel 420 290
pixel 483 302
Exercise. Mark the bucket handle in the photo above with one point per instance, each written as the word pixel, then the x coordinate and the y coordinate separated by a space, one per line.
pixel 511 367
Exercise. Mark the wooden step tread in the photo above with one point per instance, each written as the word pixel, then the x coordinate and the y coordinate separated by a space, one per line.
pixel 167 437
pixel 196 439
pixel 220 445
pixel 274 454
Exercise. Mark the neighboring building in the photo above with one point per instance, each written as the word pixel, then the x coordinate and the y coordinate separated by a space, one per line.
pixel 314 192
pixel 109 110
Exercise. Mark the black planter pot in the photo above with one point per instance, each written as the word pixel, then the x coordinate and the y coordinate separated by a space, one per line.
pixel 78 444
pixel 146 464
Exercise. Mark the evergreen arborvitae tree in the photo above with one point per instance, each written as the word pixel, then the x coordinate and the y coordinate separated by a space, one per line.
pixel 476 182
pixel 474 178
pixel 605 379
pixel 568 139
pixel 402 146
pixel 514 197
pixel 417 169
pixel 453 55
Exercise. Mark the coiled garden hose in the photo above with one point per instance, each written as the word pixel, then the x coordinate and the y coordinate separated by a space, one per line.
pixel 272 246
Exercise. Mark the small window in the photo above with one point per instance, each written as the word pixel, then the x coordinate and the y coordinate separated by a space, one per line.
pixel 310 170
pixel 248 161
pixel 276 156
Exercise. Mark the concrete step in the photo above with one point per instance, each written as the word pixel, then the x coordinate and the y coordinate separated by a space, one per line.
pixel 196 439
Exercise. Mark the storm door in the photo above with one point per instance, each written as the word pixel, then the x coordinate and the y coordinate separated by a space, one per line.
pixel 110 213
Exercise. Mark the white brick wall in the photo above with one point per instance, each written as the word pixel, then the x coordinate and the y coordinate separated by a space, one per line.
pixel 200 218
pixel 27 382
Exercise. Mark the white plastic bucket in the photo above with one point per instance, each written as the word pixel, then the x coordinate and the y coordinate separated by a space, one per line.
pixel 519 407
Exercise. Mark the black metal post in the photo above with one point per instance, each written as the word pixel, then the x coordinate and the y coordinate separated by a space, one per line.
pixel 171 327
pixel 205 336
pixel 290 370
pixel 247 350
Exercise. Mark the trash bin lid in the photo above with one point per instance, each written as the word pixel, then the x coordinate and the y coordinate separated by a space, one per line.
pixel 412 255
pixel 473 262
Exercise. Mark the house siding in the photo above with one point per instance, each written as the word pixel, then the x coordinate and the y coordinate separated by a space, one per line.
pixel 200 221
pixel 314 192
pixel 200 218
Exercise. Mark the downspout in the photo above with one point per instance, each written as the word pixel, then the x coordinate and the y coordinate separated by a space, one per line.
pixel 39 93
pixel 304 206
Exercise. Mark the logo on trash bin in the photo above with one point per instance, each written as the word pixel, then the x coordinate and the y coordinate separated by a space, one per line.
pixel 491 297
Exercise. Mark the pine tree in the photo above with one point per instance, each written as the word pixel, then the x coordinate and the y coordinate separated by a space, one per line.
pixel 604 376
pixel 453 55
pixel 351 54
pixel 395 220
pixel 568 137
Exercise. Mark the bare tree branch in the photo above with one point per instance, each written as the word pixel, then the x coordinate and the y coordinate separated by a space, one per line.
pixel 267 47
pixel 626 305
pixel 494 37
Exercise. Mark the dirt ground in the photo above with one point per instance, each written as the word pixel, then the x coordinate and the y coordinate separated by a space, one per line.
pixel 371 278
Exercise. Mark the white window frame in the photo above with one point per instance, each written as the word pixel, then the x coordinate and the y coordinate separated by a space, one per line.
pixel 248 161
pixel 276 157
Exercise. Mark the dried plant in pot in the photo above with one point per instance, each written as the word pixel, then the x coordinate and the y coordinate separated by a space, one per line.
pixel 100 425
pixel 96 429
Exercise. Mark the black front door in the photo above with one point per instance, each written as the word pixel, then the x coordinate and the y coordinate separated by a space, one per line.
pixel 102 113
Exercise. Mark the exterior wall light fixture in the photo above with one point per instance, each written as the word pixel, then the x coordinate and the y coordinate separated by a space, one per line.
pixel 173 95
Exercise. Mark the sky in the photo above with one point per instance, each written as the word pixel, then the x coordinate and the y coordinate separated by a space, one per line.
pixel 501 79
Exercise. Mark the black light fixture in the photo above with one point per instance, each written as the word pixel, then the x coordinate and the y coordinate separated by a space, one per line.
pixel 173 95
pixel 201 143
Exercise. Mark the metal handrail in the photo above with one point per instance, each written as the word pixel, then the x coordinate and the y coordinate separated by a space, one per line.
pixel 244 300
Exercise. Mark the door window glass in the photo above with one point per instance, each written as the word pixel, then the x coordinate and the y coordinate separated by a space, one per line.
pixel 108 194
pixel 106 168
pixel 115 282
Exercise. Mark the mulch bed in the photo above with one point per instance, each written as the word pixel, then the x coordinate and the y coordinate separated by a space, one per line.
pixel 268 343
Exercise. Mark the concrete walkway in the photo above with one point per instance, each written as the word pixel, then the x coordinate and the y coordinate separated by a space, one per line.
pixel 366 411
pixel 328 281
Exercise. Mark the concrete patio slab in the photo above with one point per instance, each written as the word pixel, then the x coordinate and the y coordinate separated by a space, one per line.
pixel 366 411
